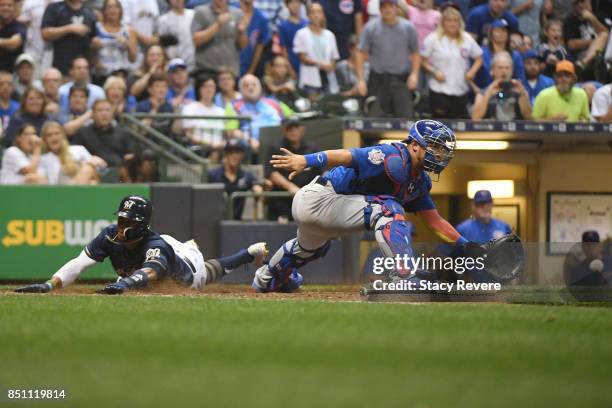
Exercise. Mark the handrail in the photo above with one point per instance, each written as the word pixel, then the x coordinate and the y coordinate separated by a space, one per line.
pixel 164 139
pixel 166 115
pixel 247 194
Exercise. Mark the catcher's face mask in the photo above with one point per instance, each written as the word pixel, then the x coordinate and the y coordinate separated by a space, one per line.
pixel 439 143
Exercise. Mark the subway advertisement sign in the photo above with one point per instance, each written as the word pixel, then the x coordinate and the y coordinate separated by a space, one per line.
pixel 42 227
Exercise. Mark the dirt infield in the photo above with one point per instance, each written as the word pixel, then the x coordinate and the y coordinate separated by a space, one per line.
pixel 327 292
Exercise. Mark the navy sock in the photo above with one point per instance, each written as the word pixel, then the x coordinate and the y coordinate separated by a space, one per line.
pixel 233 261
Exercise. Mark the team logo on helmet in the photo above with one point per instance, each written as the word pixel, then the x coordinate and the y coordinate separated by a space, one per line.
pixel 128 204
pixel 376 156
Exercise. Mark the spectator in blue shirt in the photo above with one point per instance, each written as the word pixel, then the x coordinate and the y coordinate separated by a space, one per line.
pixel 534 80
pixel 482 227
pixel 79 74
pixel 287 30
pixel 498 41
pixel 480 18
pixel 180 91
pixel 156 103
pixel 8 106
pixel 258 35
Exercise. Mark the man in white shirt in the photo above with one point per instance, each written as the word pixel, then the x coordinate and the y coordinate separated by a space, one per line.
pixel 142 16
pixel 31 15
pixel 601 106
pixel 177 22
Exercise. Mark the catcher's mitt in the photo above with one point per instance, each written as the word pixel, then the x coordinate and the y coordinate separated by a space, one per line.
pixel 504 257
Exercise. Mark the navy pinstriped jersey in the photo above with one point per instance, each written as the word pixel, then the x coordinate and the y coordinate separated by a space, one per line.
pixel 384 170
pixel 151 252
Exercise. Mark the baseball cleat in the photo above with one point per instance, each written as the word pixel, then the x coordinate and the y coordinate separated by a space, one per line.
pixel 264 281
pixel 259 251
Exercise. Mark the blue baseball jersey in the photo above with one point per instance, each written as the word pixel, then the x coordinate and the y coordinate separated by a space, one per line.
pixel 151 252
pixel 476 231
pixel 384 171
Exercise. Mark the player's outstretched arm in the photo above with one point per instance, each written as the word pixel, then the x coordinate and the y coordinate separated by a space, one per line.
pixel 66 275
pixel 441 227
pixel 138 280
pixel 448 233
pixel 297 163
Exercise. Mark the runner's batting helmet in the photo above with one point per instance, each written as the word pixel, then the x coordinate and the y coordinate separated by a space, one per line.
pixel 138 209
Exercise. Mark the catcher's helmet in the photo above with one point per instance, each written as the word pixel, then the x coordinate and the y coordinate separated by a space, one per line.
pixel 138 209
pixel 437 139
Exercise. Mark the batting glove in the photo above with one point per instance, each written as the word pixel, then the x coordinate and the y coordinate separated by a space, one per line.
pixel 111 289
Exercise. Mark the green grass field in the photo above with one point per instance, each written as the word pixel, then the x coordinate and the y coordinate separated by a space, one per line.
pixel 224 352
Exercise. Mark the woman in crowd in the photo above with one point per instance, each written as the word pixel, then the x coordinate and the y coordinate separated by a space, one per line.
pixel 154 62
pixel 20 162
pixel 318 52
pixel 346 71
pixel 64 163
pixel 424 17
pixel 116 93
pixel 205 134
pixel 499 40
pixel 32 111
pixel 115 43
pixel 226 79
pixel 279 80
pixel 446 57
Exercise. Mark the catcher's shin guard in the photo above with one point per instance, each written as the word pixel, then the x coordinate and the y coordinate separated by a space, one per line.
pixel 393 233
pixel 393 238
pixel 281 275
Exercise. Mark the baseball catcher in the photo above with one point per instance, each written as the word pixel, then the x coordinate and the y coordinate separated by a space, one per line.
pixel 371 188
pixel 141 256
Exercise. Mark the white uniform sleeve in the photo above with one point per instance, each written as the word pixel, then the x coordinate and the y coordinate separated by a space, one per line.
pixel 73 268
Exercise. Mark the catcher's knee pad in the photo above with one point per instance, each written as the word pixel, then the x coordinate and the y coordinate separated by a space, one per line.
pixel 294 256
pixel 387 208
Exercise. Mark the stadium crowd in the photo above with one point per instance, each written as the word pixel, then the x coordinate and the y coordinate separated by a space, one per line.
pixel 70 68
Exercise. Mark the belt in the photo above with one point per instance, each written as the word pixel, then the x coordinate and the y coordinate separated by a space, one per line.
pixel 189 264
pixel 388 75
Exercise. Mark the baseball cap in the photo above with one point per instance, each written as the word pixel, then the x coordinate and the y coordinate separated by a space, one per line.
pixel 235 145
pixel 483 196
pixel 24 58
pixel 590 236
pixel 565 66
pixel 291 121
pixel 175 64
pixel 499 23
pixel 450 4
pixel 529 54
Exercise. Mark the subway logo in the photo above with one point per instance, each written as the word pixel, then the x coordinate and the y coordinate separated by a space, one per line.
pixel 51 232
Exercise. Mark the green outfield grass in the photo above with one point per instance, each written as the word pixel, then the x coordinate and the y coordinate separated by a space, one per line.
pixel 217 352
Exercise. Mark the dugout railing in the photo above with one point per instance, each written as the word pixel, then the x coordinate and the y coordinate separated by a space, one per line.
pixel 258 207
pixel 178 162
